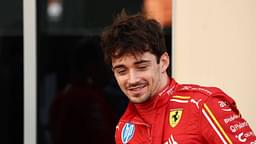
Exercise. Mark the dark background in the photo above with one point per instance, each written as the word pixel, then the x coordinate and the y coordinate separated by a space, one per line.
pixel 78 100
pixel 11 71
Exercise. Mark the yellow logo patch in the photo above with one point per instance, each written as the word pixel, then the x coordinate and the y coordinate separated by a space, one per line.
pixel 174 117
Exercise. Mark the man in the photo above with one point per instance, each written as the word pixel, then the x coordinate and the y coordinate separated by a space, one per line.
pixel 160 110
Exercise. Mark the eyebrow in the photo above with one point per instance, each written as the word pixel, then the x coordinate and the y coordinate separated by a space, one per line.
pixel 136 63
pixel 142 61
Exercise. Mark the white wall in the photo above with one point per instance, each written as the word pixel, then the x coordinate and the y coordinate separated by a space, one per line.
pixel 214 44
pixel 29 29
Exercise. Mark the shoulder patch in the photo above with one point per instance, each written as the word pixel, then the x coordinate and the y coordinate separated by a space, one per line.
pixel 127 132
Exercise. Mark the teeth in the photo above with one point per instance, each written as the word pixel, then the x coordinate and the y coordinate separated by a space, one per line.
pixel 137 87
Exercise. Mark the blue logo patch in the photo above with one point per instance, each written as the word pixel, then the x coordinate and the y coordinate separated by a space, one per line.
pixel 127 132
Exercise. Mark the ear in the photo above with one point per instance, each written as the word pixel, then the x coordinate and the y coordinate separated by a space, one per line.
pixel 164 62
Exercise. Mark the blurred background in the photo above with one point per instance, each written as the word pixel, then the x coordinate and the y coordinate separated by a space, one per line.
pixel 11 71
pixel 78 100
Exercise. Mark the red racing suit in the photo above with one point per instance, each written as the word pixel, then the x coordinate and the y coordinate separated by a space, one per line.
pixel 185 114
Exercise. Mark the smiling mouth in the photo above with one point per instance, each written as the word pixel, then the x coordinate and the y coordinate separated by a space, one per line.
pixel 137 87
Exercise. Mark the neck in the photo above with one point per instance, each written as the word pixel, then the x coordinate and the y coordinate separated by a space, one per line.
pixel 164 81
pixel 147 109
pixel 149 105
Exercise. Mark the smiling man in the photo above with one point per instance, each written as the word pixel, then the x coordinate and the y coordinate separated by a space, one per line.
pixel 161 111
pixel 141 77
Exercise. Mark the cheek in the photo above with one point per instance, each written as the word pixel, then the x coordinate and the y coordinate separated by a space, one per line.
pixel 120 81
pixel 155 71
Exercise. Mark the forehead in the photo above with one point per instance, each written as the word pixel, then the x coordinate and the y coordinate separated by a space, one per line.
pixel 131 58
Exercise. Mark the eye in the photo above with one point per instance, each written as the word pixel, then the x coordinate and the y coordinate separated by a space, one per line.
pixel 142 67
pixel 121 71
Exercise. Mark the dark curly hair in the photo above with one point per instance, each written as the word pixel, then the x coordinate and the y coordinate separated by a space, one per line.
pixel 134 34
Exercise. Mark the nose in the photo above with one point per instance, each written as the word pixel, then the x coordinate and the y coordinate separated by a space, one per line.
pixel 132 77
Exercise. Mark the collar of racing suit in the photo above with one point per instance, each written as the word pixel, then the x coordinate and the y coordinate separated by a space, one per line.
pixel 147 110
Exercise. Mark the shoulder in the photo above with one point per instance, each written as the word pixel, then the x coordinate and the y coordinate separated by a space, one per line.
pixel 198 91
pixel 211 96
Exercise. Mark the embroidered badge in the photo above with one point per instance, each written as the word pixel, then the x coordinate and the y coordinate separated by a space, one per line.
pixel 174 117
pixel 127 132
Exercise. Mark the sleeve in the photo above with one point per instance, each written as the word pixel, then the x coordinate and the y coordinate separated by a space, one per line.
pixel 222 123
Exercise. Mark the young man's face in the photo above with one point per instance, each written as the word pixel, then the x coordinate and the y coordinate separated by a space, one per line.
pixel 140 77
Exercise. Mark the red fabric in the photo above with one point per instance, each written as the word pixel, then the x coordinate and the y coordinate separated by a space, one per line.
pixel 208 116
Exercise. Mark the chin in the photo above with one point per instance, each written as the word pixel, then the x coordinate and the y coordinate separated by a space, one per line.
pixel 139 99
